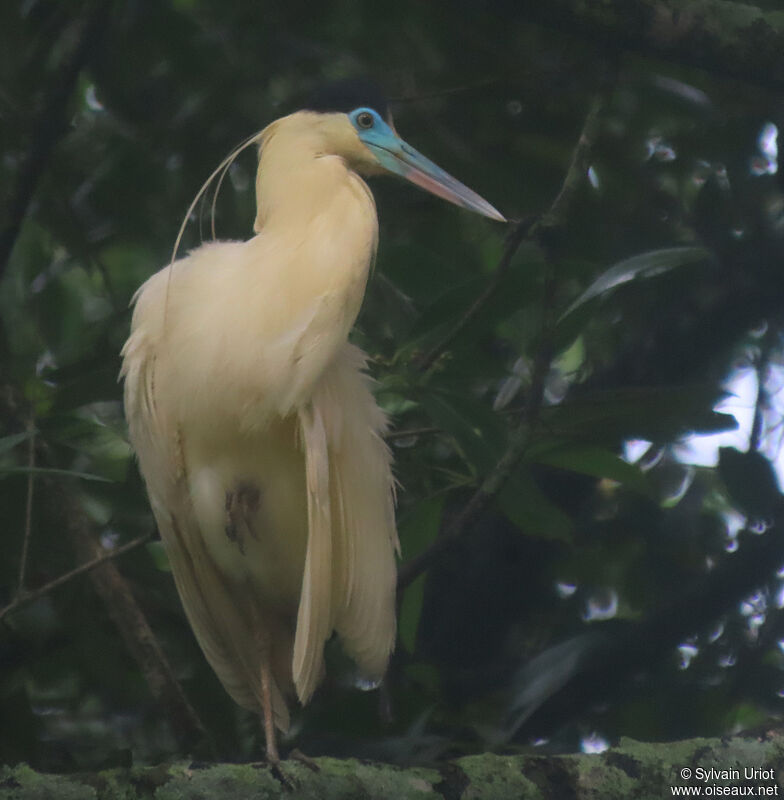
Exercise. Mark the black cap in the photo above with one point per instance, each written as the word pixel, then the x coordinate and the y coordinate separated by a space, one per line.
pixel 346 95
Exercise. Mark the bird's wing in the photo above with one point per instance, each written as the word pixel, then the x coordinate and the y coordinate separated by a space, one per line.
pixel 314 618
pixel 219 619
pixel 362 498
pixel 349 577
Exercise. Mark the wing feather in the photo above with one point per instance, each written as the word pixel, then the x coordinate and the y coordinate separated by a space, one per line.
pixel 314 618
pixel 362 494
pixel 222 623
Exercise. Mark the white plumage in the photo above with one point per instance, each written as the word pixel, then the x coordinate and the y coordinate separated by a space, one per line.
pixel 238 376
pixel 255 426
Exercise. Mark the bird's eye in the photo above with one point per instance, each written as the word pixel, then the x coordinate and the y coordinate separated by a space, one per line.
pixel 365 120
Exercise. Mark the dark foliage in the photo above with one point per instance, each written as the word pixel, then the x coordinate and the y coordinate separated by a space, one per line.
pixel 597 591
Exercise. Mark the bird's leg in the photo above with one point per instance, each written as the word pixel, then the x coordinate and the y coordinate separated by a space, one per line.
pixel 267 714
pixel 268 718
pixel 264 649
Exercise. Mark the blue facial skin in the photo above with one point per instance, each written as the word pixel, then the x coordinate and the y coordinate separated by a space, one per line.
pixel 400 158
pixel 376 128
pixel 391 151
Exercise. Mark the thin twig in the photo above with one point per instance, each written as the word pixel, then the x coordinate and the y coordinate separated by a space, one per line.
pixel 578 169
pixel 763 399
pixel 124 610
pixel 406 432
pixel 28 523
pixel 528 229
pixel 519 232
pixel 519 443
pixel 24 598
pixel 521 437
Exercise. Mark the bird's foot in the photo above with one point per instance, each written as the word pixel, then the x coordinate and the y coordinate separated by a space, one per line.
pixel 280 775
pixel 297 755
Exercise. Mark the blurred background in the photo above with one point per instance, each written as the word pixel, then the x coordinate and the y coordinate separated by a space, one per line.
pixel 627 347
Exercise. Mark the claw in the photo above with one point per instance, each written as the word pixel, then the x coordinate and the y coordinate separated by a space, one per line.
pixel 297 755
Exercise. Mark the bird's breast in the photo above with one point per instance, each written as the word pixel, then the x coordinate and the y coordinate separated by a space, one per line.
pixel 252 326
pixel 248 493
pixel 236 337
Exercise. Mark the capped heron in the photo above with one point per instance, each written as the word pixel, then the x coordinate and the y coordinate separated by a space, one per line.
pixel 254 422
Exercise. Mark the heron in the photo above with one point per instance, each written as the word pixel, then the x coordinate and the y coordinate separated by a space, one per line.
pixel 254 421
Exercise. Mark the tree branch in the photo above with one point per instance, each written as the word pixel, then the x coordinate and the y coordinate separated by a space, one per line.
pixel 24 597
pixel 50 127
pixel 517 235
pixel 118 599
pixel 483 496
pixel 132 624
pixel 528 229
pixel 558 212
pixel 520 439
pixel 405 433
pixel 28 524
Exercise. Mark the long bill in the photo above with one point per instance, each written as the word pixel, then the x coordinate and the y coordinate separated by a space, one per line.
pixel 398 157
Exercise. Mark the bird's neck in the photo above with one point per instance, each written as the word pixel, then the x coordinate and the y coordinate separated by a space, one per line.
pixel 319 219
pixel 297 182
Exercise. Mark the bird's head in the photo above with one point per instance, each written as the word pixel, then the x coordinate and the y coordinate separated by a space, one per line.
pixel 355 124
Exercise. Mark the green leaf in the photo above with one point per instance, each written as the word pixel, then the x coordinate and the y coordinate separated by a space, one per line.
pixel 87 434
pixel 469 436
pixel 594 461
pixel 104 444
pixel 417 531
pixel 410 612
pixel 643 265
pixel 751 482
pixel 157 552
pixel 516 289
pixel 480 434
pixel 8 471
pixel 8 443
pixel 450 306
pixel 656 413
pixel 527 506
